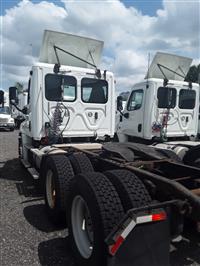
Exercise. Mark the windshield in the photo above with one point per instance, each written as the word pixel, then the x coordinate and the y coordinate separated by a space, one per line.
pixel 5 110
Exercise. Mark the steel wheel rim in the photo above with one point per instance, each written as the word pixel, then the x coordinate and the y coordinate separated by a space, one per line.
pixel 50 189
pixel 82 227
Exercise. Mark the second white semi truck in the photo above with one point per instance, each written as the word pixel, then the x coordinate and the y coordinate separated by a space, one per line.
pixel 163 110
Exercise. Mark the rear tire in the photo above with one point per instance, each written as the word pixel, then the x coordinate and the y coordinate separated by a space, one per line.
pixel 80 163
pixel 93 196
pixel 130 189
pixel 58 173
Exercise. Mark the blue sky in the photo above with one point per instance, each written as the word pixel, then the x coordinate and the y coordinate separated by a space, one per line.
pixel 130 31
pixel 147 7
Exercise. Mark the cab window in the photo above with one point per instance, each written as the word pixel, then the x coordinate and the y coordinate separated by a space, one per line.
pixel 166 97
pixel 187 99
pixel 57 85
pixel 94 90
pixel 135 100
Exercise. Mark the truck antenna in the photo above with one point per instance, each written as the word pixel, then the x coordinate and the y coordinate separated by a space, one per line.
pixel 98 72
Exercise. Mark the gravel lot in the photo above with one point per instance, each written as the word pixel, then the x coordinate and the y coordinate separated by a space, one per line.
pixel 28 238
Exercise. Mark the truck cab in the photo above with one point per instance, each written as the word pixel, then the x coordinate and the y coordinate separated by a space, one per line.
pixel 157 109
pixel 85 103
pixel 151 104
pixel 69 98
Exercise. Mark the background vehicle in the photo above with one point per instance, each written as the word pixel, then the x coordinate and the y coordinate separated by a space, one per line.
pixel 164 109
pixel 6 121
pixel 119 201
pixel 19 117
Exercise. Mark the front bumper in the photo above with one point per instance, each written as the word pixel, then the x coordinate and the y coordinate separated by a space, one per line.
pixel 7 125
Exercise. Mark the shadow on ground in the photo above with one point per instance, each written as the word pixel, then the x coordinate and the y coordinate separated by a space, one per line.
pixel 55 252
pixel 36 216
pixel 13 170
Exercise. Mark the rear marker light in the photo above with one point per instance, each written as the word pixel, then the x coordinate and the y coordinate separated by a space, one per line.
pixel 151 218
pixel 159 216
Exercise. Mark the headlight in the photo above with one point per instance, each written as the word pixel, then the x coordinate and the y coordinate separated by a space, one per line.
pixel 11 120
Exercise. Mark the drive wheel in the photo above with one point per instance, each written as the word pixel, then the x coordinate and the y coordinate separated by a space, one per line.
pixel 130 188
pixel 58 173
pixel 95 209
pixel 80 163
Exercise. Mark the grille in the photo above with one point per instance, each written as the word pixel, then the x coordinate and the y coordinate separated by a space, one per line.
pixel 3 120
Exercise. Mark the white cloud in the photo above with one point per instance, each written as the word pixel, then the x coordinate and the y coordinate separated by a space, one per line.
pixel 128 35
pixel 22 30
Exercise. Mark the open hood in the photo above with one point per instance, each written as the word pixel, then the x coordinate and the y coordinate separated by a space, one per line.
pixel 171 65
pixel 79 46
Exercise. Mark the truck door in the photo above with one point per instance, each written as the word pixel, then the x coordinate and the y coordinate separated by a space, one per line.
pixel 133 122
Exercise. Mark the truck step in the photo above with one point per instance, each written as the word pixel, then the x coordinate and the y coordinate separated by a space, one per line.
pixel 25 163
pixel 33 172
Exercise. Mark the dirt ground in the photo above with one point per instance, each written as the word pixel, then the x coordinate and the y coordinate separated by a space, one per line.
pixel 28 238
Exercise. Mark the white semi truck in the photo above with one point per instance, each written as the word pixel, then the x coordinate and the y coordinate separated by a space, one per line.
pixel 6 120
pixel 122 202
pixel 163 110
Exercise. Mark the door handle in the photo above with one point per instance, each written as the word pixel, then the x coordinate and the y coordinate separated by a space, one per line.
pixel 96 115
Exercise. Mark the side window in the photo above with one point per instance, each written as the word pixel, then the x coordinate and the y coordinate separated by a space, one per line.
pixel 166 97
pixel 187 99
pixel 94 90
pixel 56 84
pixel 135 100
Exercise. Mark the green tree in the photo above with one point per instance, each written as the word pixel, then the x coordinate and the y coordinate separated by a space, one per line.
pixel 19 87
pixel 193 74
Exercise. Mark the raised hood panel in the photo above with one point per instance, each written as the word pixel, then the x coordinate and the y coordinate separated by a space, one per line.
pixel 178 64
pixel 85 48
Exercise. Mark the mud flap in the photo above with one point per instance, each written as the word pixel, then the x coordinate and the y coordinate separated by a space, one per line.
pixel 147 244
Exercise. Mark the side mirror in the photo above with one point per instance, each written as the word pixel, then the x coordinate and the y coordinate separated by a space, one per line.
pixel 126 115
pixel 25 110
pixel 1 97
pixel 119 103
pixel 13 95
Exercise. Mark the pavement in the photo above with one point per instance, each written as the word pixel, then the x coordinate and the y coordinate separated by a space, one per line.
pixel 28 238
